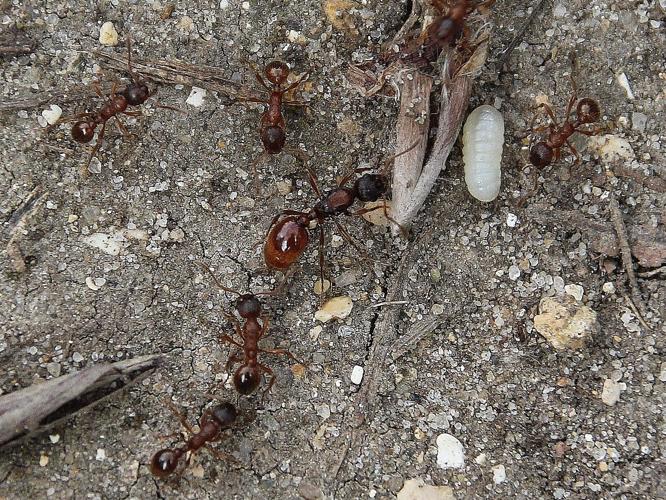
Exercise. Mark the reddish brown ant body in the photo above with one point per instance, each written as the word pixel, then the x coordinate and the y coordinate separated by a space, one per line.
pixel 542 153
pixel 272 126
pixel 211 424
pixel 248 376
pixel 288 234
pixel 445 30
pixel 134 94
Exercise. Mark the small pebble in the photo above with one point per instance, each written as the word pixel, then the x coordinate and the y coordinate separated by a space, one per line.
pixel 53 114
pixel 565 322
pixel 76 357
pixel 197 471
pixel 511 220
pixel 196 97
pixel 95 166
pixel 108 35
pixel 612 147
pixel 54 369
pixel 437 309
pixel 576 291
pixel 43 460
pixel 450 452
pixel 318 288
pixel 481 459
pixel 610 394
pixel 608 287
pixel 499 474
pixel 284 188
pixel 623 81
pixel 335 308
pixel 101 454
pixel 357 375
pixel 54 438
pixel 514 273
pixel 417 489
pixel 638 121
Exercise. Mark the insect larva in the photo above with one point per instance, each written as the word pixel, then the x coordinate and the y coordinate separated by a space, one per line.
pixel 483 136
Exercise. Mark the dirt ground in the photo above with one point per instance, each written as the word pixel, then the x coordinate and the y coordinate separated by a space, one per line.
pixel 530 418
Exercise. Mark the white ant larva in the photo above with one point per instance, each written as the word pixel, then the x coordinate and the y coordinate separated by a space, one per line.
pixel 483 137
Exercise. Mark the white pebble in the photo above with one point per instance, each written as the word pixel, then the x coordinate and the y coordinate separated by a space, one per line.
pixel 101 454
pixel 608 287
pixel 499 474
pixel 576 291
pixel 450 452
pixel 196 97
pixel 623 81
pixel 511 220
pixel 104 242
pixel 514 273
pixel 91 284
pixel 224 4
pixel 610 394
pixel 53 114
pixel 76 357
pixel 54 438
pixel 108 35
pixel 357 374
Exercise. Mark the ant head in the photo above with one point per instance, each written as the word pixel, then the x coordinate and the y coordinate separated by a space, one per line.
pixel 246 379
pixel 136 93
pixel 83 131
pixel 248 306
pixel 541 154
pixel 273 139
pixel 164 462
pixel 225 414
pixel 277 72
pixel 370 187
pixel 588 111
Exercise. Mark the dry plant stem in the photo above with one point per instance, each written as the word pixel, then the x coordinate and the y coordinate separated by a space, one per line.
pixel 627 262
pixel 416 333
pixel 41 406
pixel 412 126
pixel 454 100
pixel 17 223
pixel 207 77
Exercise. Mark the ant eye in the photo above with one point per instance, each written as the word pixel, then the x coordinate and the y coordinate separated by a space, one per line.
pixel 163 463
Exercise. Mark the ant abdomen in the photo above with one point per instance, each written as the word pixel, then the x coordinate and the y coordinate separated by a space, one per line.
pixel 273 139
pixel 83 131
pixel 285 243
pixel 370 187
pixel 541 154
pixel 164 462
pixel 246 380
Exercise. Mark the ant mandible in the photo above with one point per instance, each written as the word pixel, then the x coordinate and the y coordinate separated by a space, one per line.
pixel 248 376
pixel 211 425
pixel 272 126
pixel 134 94
pixel 287 238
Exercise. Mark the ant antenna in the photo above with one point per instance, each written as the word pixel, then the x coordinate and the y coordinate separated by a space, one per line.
pixel 387 162
pixel 205 268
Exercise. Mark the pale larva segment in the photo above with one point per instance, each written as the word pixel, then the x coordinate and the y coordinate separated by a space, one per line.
pixel 483 138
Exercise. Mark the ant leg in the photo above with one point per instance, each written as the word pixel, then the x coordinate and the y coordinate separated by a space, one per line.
pixel 179 414
pixel 220 455
pixel 265 321
pixel 297 153
pixel 267 370
pixel 122 128
pixel 133 113
pixel 350 240
pixel 520 203
pixel 321 262
pixel 387 163
pixel 95 148
pixel 229 340
pixel 282 352
pixel 255 176
pixel 594 131
pixel 261 81
pixel 205 268
pixel 384 206
pixel 575 152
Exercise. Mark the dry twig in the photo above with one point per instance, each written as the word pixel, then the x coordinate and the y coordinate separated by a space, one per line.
pixel 17 223
pixel 41 406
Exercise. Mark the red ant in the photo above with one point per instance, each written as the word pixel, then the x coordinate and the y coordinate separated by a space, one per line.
pixel 248 376
pixel 272 127
pixel 211 425
pixel 134 94
pixel 287 238
pixel 543 152
pixel 445 30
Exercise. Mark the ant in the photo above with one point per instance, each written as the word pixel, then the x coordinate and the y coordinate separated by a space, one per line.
pixel 287 238
pixel 544 152
pixel 272 126
pixel 445 30
pixel 134 94
pixel 211 425
pixel 248 376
